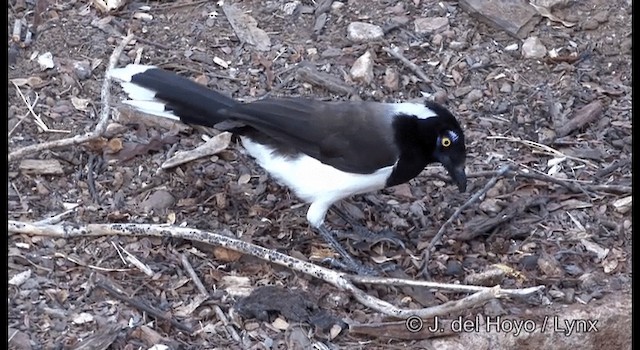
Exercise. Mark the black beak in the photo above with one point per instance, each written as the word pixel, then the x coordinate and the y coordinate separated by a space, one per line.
pixel 458 176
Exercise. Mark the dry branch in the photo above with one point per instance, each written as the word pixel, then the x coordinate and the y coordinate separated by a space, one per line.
pixel 338 279
pixel 102 122
pixel 436 239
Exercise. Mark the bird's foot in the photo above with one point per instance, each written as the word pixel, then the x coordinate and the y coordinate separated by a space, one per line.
pixel 348 262
pixel 350 266
pixel 372 238
pixel 361 234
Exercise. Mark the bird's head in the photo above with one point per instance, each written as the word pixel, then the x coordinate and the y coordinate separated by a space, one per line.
pixel 446 143
pixel 451 153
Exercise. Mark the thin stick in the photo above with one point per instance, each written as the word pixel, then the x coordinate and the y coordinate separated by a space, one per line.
pixel 55 219
pixel 225 322
pixel 337 279
pixel 414 67
pixel 104 115
pixel 436 239
pixel 192 273
pixel 78 139
pixel 114 291
pixel 105 92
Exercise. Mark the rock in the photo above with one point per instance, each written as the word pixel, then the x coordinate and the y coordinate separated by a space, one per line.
pixel 533 48
pixel 473 96
pixel 362 69
pixel 437 39
pixel 82 69
pixel 601 17
pixel 429 25
pixel 337 6
pixel 290 7
pixel 506 88
pixel 590 24
pixel 363 32
pixel 159 200
pixel 518 21
pixel 391 79
pixel 440 96
pixel 457 45
pixel 46 61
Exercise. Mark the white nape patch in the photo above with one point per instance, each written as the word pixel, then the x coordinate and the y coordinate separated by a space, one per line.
pixel 151 107
pixel 315 182
pixel 419 110
pixel 125 73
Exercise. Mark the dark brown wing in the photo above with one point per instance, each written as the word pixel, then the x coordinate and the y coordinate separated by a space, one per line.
pixel 352 136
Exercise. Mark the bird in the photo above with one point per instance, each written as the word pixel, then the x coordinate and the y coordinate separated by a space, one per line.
pixel 324 151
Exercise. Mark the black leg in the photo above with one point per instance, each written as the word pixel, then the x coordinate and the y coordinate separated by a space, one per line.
pixel 349 262
pixel 367 235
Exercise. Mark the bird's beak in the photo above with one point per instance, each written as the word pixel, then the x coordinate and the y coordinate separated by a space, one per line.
pixel 458 176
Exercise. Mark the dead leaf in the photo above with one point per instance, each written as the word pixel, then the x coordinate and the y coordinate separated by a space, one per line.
pixel 131 150
pixel 20 278
pixel 41 167
pixel 82 318
pixel 226 255
pixel 202 80
pixel 171 218
pixel 187 310
pixel 280 324
pixel 244 179
pixel 80 104
pixel 114 145
pixel 106 6
pixel 592 247
pixel 545 12
pixel 246 28
pixel 34 82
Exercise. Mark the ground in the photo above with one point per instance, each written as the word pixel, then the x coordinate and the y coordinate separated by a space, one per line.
pixel 564 221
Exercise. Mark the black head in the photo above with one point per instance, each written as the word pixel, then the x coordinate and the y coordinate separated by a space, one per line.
pixel 448 145
pixel 428 135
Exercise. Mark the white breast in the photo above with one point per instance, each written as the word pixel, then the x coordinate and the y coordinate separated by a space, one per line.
pixel 313 181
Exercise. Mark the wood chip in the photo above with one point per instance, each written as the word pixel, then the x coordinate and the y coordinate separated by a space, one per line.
pixel 216 144
pixel 41 167
pixel 582 117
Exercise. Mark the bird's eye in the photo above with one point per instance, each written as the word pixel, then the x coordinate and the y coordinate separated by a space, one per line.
pixel 445 141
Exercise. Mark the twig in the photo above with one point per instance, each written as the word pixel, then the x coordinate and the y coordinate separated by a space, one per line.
pixel 309 74
pixel 24 116
pixel 542 148
pixel 152 43
pixel 414 67
pixel 338 279
pixel 225 321
pixel 39 121
pixel 78 139
pixel 105 92
pixel 54 219
pixel 82 263
pixel 116 292
pixel 192 273
pixel 102 123
pixel 214 145
pixel 436 239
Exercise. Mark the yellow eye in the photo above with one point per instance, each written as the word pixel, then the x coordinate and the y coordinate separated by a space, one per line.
pixel 446 142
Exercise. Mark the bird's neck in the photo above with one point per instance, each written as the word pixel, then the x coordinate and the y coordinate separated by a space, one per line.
pixel 408 166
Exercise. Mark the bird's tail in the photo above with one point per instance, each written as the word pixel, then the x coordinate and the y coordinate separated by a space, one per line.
pixel 159 92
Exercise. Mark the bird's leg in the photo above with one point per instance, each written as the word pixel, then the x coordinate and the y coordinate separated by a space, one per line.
pixel 349 263
pixel 367 235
